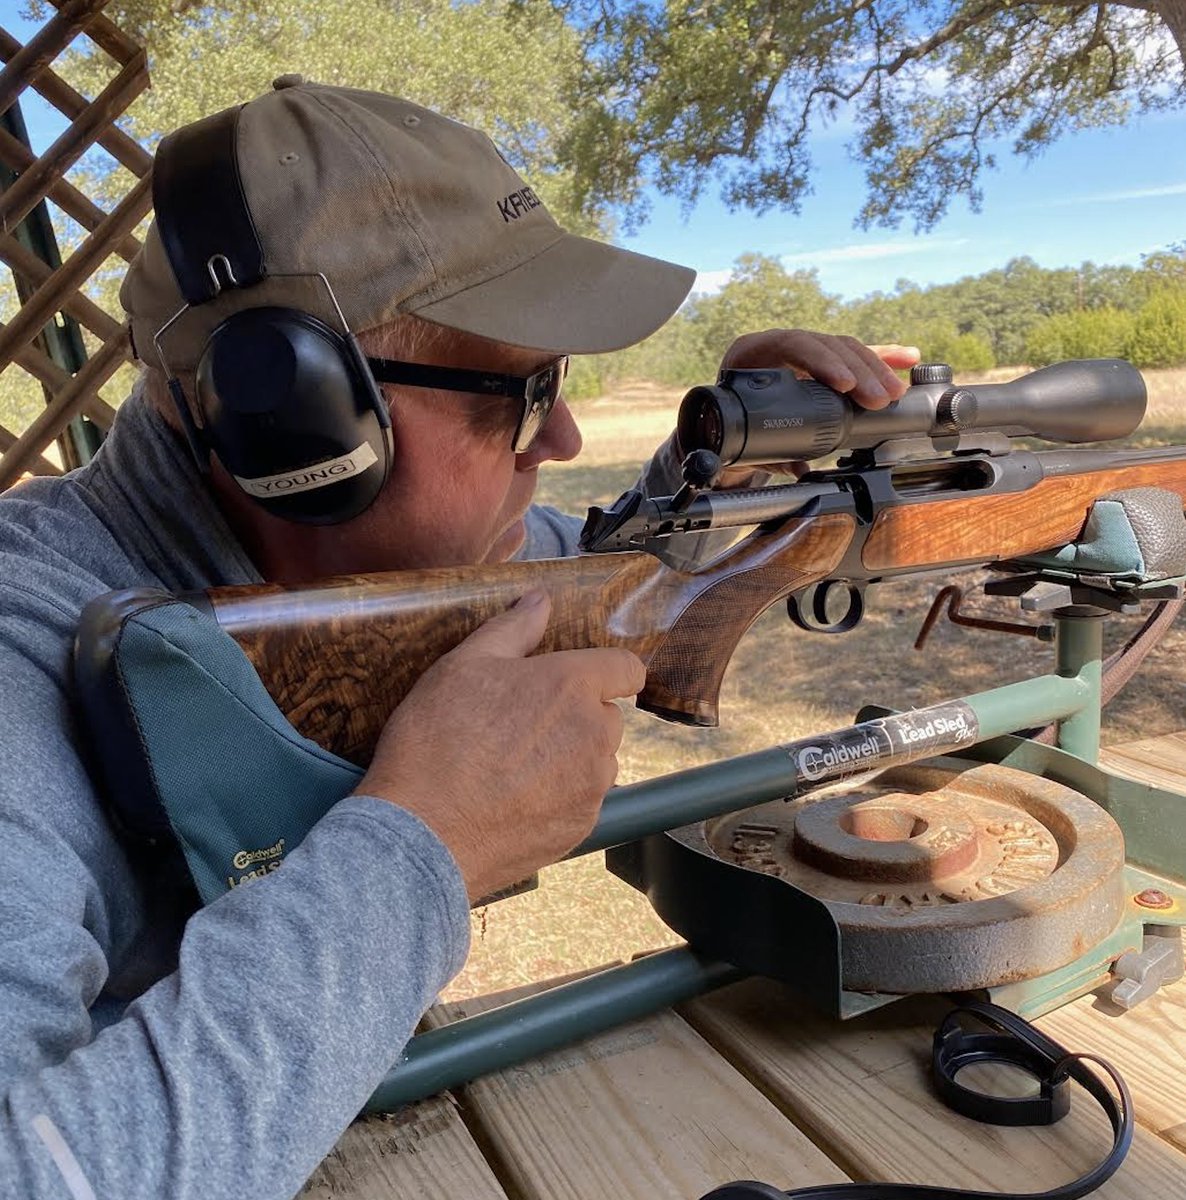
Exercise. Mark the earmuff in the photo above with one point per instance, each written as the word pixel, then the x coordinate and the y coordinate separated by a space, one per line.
pixel 286 402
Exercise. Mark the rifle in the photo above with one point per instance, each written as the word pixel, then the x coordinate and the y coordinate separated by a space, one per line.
pixel 942 478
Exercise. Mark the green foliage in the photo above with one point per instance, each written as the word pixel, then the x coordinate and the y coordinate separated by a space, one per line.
pixel 1087 333
pixel 505 66
pixel 695 91
pixel 596 99
pixel 21 399
pixel 587 377
pixel 1158 337
pixel 940 341
pixel 761 294
pixel 1166 266
pixel 1015 315
pixel 1002 306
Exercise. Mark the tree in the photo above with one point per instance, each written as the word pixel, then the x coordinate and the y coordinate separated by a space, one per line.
pixel 597 99
pixel 1159 334
pixel 1087 333
pixel 760 294
pixel 694 90
pixel 465 59
pixel 1166 266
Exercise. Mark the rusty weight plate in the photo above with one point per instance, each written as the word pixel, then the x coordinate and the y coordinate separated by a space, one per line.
pixel 944 876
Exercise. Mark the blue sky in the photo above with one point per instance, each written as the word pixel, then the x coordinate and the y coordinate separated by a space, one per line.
pixel 1108 196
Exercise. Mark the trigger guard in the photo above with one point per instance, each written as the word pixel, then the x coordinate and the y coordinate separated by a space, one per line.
pixel 809 609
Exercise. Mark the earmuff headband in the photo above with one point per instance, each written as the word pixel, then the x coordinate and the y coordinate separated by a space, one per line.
pixel 201 209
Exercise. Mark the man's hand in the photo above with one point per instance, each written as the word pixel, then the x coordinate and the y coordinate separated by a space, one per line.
pixel 866 373
pixel 505 757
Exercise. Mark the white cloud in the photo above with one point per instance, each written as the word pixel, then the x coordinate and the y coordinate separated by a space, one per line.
pixel 866 250
pixel 1146 193
pixel 708 282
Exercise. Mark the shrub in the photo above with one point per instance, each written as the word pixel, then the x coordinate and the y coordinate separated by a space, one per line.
pixel 1158 336
pixel 1086 333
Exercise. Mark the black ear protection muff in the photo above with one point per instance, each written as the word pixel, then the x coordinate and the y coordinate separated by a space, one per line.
pixel 286 402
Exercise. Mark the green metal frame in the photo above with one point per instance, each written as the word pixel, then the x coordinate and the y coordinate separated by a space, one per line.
pixel 1153 822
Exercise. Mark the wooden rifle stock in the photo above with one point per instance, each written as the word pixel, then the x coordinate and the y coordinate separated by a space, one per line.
pixel 338 655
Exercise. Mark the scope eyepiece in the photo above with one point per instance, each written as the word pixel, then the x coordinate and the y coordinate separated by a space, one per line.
pixel 763 416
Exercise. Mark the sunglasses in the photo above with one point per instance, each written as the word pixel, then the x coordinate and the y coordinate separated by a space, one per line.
pixel 537 392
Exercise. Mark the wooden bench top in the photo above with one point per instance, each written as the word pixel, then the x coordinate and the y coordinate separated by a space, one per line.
pixel 751 1083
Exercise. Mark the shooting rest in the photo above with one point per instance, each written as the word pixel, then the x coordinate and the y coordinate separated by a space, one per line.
pixel 149 665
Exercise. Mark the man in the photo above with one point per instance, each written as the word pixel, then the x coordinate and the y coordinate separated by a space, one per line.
pixel 149 1051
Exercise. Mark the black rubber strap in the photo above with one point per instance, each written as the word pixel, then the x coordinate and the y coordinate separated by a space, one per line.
pixel 201 208
pixel 955 1048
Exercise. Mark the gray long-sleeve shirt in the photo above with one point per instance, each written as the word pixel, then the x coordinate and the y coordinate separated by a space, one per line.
pixel 141 1053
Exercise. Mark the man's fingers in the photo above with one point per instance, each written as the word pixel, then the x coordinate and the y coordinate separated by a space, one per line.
pixel 820 356
pixel 866 373
pixel 900 358
pixel 514 633
pixel 611 673
pixel 612 728
pixel 621 674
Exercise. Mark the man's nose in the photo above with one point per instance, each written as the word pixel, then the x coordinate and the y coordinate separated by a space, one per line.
pixel 559 440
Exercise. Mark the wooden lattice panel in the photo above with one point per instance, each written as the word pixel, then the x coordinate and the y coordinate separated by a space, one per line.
pixel 48 291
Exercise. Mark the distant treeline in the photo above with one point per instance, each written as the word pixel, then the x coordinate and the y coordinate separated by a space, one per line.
pixel 1019 314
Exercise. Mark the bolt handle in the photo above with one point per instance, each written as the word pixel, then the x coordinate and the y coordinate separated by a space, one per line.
pixel 700 470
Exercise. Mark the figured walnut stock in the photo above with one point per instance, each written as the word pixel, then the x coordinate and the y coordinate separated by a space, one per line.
pixel 992 528
pixel 338 655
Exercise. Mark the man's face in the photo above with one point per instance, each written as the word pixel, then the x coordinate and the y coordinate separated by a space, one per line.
pixel 457 492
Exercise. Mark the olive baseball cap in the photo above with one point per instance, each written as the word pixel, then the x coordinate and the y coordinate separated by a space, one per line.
pixel 403 211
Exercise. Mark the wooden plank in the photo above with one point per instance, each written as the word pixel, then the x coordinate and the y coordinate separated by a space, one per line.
pixel 646 1112
pixel 108 36
pixel 39 465
pixel 1147 1046
pixel 71 103
pixel 65 195
pixel 66 405
pixel 44 46
pixel 32 184
pixel 51 295
pixel 861 1090
pixel 24 262
pixel 45 370
pixel 422 1152
pixel 1160 761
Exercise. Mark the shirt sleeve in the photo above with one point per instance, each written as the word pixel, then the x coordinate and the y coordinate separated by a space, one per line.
pixel 235 1072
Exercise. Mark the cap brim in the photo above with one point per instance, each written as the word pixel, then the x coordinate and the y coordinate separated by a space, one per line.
pixel 576 297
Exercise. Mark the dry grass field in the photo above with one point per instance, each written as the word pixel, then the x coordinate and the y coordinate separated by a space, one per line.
pixel 782 684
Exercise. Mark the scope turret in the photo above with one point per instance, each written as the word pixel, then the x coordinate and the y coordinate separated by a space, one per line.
pixel 769 416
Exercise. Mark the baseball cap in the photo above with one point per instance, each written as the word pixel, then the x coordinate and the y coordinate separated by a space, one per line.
pixel 403 211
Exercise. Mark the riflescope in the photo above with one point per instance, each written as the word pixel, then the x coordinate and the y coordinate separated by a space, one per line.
pixel 760 416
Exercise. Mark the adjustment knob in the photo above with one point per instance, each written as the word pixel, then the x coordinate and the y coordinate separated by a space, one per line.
pixel 956 411
pixel 931 373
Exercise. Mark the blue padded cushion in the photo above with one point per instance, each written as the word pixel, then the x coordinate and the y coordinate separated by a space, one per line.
pixel 1107 546
pixel 239 785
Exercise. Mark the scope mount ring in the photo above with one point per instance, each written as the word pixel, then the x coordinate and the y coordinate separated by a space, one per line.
pixel 808 609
